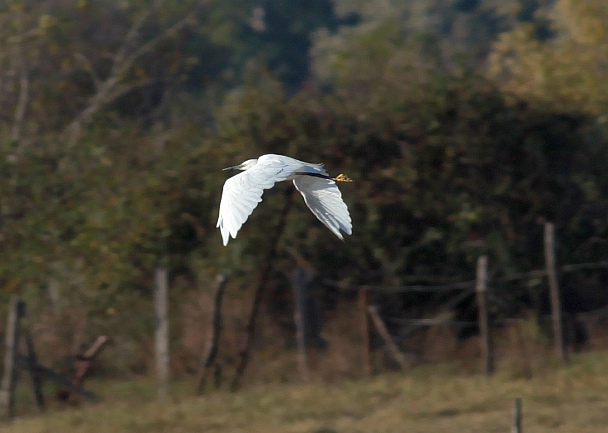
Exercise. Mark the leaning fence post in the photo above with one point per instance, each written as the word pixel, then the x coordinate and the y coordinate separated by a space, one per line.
pixel 517 416
pixel 484 321
pixel 32 361
pixel 9 379
pixel 213 337
pixel 390 343
pixel 161 337
pixel 556 309
pixel 367 365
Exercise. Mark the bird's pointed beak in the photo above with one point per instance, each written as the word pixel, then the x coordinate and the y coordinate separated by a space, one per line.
pixel 234 167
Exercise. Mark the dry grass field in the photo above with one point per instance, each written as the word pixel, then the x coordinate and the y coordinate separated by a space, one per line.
pixel 427 399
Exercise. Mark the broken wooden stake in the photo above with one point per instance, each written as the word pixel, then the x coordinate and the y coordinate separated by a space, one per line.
pixel 390 343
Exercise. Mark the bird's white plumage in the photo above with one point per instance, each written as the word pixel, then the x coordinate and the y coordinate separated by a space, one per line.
pixel 323 198
pixel 242 193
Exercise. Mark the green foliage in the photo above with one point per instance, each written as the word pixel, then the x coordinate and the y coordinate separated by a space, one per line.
pixel 448 163
pixel 443 172
pixel 275 34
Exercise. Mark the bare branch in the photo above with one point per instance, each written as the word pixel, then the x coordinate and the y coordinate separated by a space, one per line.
pixel 108 92
pixel 23 37
pixel 123 89
pixel 149 46
pixel 24 82
pixel 22 101
pixel 130 38
pixel 111 88
pixel 88 66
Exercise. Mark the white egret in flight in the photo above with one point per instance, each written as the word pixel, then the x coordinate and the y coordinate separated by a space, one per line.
pixel 243 192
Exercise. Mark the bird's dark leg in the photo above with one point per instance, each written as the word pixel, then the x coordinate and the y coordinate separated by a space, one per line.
pixel 338 178
pixel 322 176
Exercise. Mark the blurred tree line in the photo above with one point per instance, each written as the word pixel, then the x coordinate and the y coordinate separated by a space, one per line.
pixel 465 124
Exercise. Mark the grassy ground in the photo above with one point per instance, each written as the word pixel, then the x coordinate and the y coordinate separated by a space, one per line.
pixel 427 399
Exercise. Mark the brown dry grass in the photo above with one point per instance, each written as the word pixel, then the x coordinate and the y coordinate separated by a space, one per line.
pixel 426 399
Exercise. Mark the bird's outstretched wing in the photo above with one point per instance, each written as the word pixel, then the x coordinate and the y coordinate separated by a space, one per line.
pixel 324 199
pixel 243 192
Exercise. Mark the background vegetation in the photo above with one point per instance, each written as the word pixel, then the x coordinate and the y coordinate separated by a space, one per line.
pixel 465 125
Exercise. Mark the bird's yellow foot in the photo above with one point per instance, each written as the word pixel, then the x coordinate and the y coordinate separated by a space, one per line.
pixel 343 178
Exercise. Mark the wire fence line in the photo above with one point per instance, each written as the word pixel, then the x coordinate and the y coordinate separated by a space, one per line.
pixel 402 289
pixel 481 286
pixel 453 294
pixel 593 314
pixel 420 288
pixel 600 313
pixel 431 322
pixel 468 289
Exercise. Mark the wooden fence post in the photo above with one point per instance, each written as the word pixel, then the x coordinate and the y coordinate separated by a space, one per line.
pixel 301 286
pixel 367 365
pixel 556 309
pixel 9 379
pixel 484 320
pixel 161 337
pixel 517 416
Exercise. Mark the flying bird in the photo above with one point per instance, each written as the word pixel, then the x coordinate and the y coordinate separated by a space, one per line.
pixel 243 192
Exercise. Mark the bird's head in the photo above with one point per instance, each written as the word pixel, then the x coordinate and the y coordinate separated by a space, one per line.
pixel 244 165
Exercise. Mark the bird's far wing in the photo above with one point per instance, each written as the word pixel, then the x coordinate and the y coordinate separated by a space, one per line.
pixel 324 199
pixel 243 192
